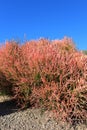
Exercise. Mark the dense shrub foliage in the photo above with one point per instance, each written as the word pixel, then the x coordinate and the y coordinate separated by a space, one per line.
pixel 46 74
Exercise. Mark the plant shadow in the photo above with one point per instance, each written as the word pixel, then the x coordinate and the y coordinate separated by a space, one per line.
pixel 8 107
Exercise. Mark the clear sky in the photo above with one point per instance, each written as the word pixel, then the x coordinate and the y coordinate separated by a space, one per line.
pixel 52 19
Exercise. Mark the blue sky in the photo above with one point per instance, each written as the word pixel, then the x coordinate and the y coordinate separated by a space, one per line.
pixel 52 19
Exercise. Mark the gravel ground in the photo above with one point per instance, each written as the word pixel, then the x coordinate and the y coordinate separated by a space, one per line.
pixel 30 119
pixel 4 98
